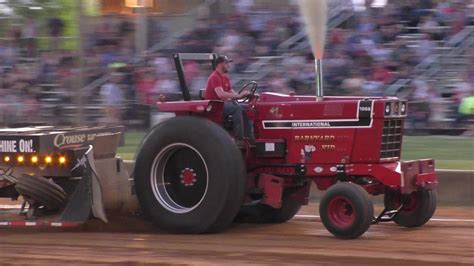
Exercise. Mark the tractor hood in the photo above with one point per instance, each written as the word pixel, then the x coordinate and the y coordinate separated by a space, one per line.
pixel 336 129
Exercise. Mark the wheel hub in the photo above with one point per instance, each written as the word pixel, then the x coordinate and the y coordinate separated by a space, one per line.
pixel 174 178
pixel 188 177
pixel 341 212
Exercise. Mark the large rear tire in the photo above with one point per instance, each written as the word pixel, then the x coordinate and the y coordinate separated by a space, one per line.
pixel 346 210
pixel 190 176
pixel 418 207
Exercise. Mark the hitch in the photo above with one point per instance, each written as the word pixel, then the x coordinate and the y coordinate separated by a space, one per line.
pixel 387 215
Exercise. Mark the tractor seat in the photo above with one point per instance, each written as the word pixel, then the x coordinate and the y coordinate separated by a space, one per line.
pixel 228 122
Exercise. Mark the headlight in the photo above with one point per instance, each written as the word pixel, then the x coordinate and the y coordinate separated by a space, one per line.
pixel 403 108
pixel 388 109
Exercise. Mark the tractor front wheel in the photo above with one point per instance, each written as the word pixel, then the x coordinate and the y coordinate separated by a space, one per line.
pixel 346 210
pixel 418 207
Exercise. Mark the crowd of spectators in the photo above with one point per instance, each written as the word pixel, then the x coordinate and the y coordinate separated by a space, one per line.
pixel 38 72
pixel 363 55
pixel 370 45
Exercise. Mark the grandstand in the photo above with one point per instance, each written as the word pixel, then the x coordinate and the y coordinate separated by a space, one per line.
pixel 422 53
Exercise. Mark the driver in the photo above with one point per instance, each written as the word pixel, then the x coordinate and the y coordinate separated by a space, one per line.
pixel 218 88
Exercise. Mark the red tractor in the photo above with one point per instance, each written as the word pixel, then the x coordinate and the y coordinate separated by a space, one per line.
pixel 191 176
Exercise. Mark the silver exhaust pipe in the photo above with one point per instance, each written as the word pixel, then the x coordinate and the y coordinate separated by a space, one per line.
pixel 318 64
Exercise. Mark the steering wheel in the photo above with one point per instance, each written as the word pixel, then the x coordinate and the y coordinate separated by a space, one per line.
pixel 250 87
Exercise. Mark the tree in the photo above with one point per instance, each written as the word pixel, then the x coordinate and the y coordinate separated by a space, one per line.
pixel 43 10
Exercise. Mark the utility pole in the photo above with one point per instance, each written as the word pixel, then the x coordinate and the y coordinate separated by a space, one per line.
pixel 141 38
pixel 80 68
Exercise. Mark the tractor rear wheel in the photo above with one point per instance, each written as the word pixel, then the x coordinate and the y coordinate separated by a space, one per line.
pixel 418 207
pixel 346 210
pixel 190 176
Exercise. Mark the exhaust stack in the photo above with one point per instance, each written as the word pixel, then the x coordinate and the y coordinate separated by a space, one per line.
pixel 318 65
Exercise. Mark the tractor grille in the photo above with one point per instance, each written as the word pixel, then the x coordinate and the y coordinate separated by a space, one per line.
pixel 391 139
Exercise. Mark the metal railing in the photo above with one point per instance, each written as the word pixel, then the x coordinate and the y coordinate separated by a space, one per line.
pixel 430 66
pixel 438 68
pixel 299 41
pixel 458 44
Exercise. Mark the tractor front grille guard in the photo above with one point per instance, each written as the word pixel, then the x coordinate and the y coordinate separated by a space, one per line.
pixel 391 139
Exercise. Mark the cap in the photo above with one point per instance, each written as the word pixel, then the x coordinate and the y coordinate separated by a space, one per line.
pixel 222 59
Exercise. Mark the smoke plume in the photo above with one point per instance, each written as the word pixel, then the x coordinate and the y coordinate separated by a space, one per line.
pixel 315 16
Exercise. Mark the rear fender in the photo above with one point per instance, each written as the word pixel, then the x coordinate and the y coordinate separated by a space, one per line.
pixel 211 109
pixel 200 106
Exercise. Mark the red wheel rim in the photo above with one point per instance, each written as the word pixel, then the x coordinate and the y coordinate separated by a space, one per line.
pixel 409 202
pixel 341 212
pixel 188 177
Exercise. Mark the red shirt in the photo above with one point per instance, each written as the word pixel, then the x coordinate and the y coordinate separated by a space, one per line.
pixel 145 90
pixel 382 74
pixel 216 80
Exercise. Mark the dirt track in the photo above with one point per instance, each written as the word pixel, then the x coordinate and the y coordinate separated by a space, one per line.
pixel 303 240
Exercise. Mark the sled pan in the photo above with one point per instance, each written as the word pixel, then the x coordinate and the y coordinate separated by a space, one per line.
pixel 86 199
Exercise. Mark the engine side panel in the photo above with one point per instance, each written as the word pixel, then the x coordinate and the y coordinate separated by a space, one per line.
pixel 315 132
